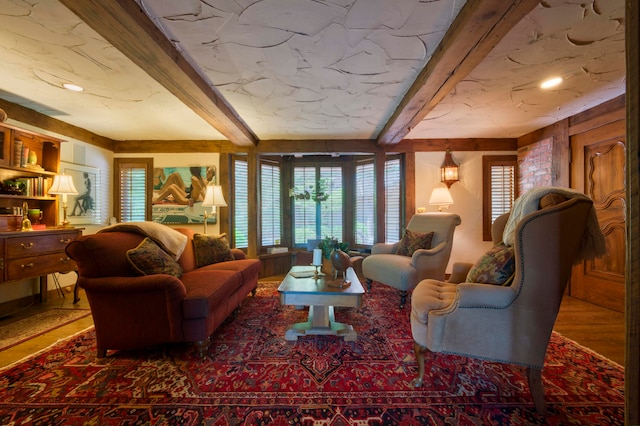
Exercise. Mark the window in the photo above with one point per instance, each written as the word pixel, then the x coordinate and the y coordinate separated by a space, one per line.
pixel 317 203
pixel 271 203
pixel 499 188
pixel 393 200
pixel 133 189
pixel 365 204
pixel 241 204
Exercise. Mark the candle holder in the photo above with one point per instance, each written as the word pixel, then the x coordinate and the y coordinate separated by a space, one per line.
pixel 317 274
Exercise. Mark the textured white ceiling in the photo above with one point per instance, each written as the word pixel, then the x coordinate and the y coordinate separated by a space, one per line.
pixel 582 42
pixel 307 69
pixel 303 69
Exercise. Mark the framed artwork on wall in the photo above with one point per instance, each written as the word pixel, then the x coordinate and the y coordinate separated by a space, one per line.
pixel 178 193
pixel 83 208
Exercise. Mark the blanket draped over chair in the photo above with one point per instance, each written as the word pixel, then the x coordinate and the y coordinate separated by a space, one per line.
pixel 592 244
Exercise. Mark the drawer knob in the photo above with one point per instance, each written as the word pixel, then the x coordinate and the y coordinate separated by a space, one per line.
pixel 28 265
pixel 26 246
pixel 63 241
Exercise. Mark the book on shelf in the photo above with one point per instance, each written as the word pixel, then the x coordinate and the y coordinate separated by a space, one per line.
pixel 17 152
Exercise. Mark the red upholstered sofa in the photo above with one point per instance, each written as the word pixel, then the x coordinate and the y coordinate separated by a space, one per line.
pixel 132 311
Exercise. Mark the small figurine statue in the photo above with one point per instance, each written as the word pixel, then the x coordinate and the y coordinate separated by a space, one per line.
pixel 340 261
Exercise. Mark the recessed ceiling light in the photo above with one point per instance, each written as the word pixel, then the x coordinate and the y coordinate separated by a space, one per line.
pixel 551 82
pixel 72 87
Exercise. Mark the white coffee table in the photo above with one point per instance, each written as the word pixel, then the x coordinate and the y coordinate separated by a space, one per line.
pixel 321 298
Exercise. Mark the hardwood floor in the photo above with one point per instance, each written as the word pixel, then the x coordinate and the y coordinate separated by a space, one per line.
pixel 594 327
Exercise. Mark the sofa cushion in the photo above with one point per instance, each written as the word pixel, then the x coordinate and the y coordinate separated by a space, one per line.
pixel 249 268
pixel 412 241
pixel 149 259
pixel 211 249
pixel 496 266
pixel 208 290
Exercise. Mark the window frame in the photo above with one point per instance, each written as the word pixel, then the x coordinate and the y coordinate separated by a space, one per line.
pixel 489 161
pixel 120 163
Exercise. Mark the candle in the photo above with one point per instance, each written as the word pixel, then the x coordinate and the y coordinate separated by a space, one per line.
pixel 317 257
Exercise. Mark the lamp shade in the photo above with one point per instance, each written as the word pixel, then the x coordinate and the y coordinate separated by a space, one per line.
pixel 213 197
pixel 62 185
pixel 441 197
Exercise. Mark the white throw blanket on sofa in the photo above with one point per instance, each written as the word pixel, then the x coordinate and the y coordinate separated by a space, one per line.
pixel 592 244
pixel 171 241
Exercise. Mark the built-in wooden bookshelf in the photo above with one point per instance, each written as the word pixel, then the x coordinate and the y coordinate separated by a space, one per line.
pixel 28 163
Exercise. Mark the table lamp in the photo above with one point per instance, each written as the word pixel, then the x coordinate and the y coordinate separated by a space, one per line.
pixel 212 198
pixel 63 185
pixel 441 197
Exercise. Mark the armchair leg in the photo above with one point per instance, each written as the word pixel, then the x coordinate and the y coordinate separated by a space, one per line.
pixel 419 353
pixel 403 298
pixel 534 376
pixel 202 346
pixel 369 285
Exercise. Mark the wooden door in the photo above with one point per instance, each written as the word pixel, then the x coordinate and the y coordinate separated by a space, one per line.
pixel 598 170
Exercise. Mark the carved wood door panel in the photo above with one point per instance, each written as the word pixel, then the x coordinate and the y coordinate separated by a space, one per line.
pixel 598 170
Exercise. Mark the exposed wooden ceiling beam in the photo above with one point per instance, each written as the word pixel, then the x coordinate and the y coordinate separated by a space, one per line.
pixel 477 29
pixel 34 118
pixel 123 24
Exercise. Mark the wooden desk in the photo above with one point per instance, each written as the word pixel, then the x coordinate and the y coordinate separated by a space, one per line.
pixel 29 254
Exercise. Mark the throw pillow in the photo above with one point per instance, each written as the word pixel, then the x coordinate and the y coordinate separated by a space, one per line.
pixel 412 241
pixel 497 266
pixel 211 249
pixel 149 259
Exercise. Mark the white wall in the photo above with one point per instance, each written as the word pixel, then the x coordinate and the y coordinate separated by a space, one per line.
pixel 467 199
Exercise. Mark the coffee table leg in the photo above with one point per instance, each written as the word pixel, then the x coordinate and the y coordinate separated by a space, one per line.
pixel 321 321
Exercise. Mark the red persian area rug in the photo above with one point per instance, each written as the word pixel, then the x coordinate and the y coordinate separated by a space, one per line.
pixel 252 376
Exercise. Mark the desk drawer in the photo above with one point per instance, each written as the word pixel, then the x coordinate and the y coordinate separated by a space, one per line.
pixel 27 267
pixel 34 245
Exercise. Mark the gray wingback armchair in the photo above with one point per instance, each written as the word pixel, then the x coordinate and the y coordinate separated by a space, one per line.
pixel 405 272
pixel 510 323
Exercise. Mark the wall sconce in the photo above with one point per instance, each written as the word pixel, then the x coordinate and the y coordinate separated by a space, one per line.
pixel 441 197
pixel 448 170
pixel 212 198
pixel 63 185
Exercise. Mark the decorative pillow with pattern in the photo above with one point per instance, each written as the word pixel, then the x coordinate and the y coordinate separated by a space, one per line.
pixel 149 259
pixel 211 249
pixel 497 266
pixel 412 241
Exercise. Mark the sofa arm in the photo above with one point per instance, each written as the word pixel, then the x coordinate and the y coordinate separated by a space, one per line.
pixel 159 283
pixel 382 248
pixel 424 255
pixel 474 295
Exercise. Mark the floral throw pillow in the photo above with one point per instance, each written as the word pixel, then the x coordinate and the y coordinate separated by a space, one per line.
pixel 497 266
pixel 149 259
pixel 211 249
pixel 412 241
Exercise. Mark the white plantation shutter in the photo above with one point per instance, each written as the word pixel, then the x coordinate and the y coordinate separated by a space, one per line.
pixel 133 198
pixel 241 204
pixel 271 204
pixel 365 204
pixel 393 197
pixel 502 190
pixel 311 219
pixel 499 189
pixel 331 210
